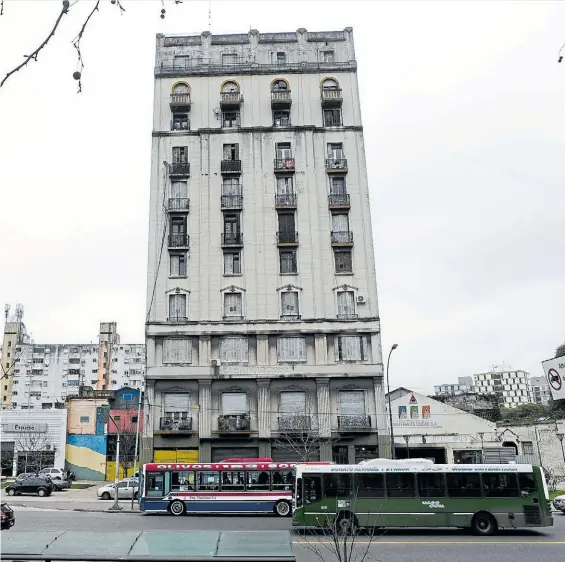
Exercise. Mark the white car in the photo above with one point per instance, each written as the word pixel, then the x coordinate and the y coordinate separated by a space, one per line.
pixel 54 473
pixel 126 489
pixel 559 503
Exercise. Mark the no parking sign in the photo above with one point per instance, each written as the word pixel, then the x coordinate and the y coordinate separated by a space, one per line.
pixel 554 370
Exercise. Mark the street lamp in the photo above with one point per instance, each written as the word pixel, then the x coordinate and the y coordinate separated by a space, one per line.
pixel 389 405
pixel 560 437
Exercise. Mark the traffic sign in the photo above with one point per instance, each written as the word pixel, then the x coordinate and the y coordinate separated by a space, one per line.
pixel 554 370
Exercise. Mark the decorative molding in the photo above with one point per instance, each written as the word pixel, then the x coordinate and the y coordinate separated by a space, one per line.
pixel 233 289
pixel 292 388
pixel 178 290
pixel 352 387
pixel 289 288
pixel 234 388
pixel 345 287
pixel 175 390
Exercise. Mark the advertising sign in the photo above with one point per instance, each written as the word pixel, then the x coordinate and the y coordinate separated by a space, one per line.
pixel 554 370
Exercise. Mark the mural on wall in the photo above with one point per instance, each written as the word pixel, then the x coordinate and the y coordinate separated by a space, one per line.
pixel 420 416
pixel 86 456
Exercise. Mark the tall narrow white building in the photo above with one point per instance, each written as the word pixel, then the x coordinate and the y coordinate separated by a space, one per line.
pixel 263 332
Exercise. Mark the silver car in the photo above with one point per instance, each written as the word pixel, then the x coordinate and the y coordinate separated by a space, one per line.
pixel 559 503
pixel 126 489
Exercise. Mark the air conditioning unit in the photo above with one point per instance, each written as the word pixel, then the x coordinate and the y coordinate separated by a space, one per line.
pixel 216 363
pixel 361 299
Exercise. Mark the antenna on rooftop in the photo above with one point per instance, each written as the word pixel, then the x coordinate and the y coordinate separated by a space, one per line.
pixel 209 15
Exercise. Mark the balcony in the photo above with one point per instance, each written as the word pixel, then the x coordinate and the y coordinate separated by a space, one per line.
pixel 173 425
pixel 232 240
pixel 353 424
pixel 331 98
pixel 284 165
pixel 231 167
pixel 230 99
pixel 234 423
pixel 338 201
pixel 231 202
pixel 285 201
pixel 179 240
pixel 287 238
pixel 336 165
pixel 180 101
pixel 294 424
pixel 178 319
pixel 281 99
pixel 290 317
pixel 342 238
pixel 179 170
pixel 347 316
pixel 179 204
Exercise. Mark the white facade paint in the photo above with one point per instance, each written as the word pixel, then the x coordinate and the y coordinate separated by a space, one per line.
pixel 511 387
pixel 318 363
pixel 541 393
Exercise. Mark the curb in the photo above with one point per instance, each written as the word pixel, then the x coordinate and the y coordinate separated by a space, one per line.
pixel 83 510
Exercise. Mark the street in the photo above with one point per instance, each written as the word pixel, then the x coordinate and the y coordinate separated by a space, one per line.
pixel 546 545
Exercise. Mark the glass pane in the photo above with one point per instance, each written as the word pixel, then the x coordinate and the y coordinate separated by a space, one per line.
pixel 500 485
pixel 527 483
pixel 282 480
pixel 370 485
pixel 463 485
pixel 234 402
pixel 431 485
pixel 182 481
pixel 208 480
pixel 233 481
pixel 257 480
pixel 400 485
pixel 338 485
pixel 312 488
pixel 154 484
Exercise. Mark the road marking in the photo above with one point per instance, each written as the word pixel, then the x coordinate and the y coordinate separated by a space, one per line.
pixel 436 543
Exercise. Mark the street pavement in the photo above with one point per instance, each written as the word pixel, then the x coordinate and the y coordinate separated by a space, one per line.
pixel 545 545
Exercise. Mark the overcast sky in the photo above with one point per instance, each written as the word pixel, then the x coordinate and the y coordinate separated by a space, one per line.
pixel 464 116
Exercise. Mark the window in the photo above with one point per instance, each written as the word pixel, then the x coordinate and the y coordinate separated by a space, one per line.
pixel 181 61
pixel 178 265
pixel 281 118
pixel 292 402
pixel 176 405
pixel 287 227
pixel 231 152
pixel 288 262
pixel 527 483
pixel 177 307
pixel 285 185
pixel 345 304
pixel 340 224
pixel 338 185
pixel 233 481
pixel 179 189
pixel 337 485
pixel 234 403
pixel 330 84
pixel 278 57
pixel 231 186
pixel 257 480
pixel 279 86
pixel 180 121
pixel 350 348
pixel 84 419
pixel 463 485
pixel 312 488
pixel 178 226
pixel 229 58
pixel 233 305
pixel 292 349
pixel 208 480
pixel 182 481
pixel 332 117
pixel 328 56
pixel 289 304
pixel 500 485
pixel 180 154
pixel 230 118
pixel 181 87
pixel 370 485
pixel 282 480
pixel 528 447
pixel 230 87
pixel 335 151
pixel 400 485
pixel 431 485
pixel 352 403
pixel 177 351
pixel 234 350
pixel 232 227
pixel 232 263
pixel 283 151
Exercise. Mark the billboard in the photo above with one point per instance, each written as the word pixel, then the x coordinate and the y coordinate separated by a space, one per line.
pixel 554 370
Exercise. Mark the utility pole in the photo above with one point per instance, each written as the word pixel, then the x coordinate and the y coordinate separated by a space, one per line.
pixel 393 454
pixel 136 445
pixel 116 506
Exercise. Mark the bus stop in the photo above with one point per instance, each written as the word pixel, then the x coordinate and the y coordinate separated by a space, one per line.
pixel 148 546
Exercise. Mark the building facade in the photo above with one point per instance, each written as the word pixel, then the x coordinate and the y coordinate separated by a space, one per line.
pixel 463 386
pixel 511 387
pixel 263 323
pixel 541 393
pixel 43 376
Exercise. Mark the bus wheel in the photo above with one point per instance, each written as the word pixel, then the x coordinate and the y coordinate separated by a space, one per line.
pixel 177 508
pixel 282 509
pixel 346 524
pixel 483 524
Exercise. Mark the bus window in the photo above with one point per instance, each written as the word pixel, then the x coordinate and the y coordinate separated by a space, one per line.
pixel 182 481
pixel 501 485
pixel 337 485
pixel 209 481
pixel 155 484
pixel 431 485
pixel 401 485
pixel 298 492
pixel 312 488
pixel 282 480
pixel 258 480
pixel 527 483
pixel 233 481
pixel 370 485
pixel 463 485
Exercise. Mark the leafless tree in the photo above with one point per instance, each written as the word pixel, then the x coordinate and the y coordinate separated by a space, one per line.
pixel 34 451
pixel 127 451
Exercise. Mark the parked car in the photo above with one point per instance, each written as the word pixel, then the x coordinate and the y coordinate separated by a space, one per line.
pixel 58 483
pixel 126 489
pixel 8 517
pixel 55 473
pixel 559 503
pixel 34 485
pixel 21 477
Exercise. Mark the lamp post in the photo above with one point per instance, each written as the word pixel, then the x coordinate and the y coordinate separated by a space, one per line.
pixel 389 404
pixel 560 437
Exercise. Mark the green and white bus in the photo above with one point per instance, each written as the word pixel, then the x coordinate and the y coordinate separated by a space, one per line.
pixel 417 493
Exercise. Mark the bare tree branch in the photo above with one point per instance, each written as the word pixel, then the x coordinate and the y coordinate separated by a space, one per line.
pixel 33 56
pixel 77 75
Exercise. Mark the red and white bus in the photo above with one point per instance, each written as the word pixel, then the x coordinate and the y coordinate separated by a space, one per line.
pixel 231 486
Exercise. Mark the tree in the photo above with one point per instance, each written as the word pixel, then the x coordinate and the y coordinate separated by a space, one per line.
pixel 560 351
pixel 64 9
pixel 127 451
pixel 34 451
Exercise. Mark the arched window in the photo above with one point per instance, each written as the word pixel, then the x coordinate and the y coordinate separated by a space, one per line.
pixel 279 86
pixel 230 87
pixel 330 84
pixel 181 88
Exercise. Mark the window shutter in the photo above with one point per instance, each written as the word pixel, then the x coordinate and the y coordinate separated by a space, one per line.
pixel 352 402
pixel 228 264
pixel 232 304
pixel 340 223
pixel 289 303
pixel 177 350
pixel 350 348
pixel 293 402
pixel 291 349
pixel 177 402
pixel 345 303
pixel 234 350
pixel 234 403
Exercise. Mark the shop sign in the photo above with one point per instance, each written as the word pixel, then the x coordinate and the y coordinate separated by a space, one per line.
pixel 25 428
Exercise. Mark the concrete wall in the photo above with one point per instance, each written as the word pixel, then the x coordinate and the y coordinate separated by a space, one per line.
pixel 82 414
pixel 86 456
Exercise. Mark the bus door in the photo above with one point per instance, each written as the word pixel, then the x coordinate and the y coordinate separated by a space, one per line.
pixel 338 492
pixel 314 510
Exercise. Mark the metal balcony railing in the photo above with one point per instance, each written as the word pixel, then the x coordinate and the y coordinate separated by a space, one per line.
pixel 231 166
pixel 231 423
pixel 230 98
pixel 179 169
pixel 285 200
pixel 336 164
pixel 332 97
pixel 281 98
pixel 287 237
pixel 174 424
pixel 180 100
pixel 178 240
pixel 178 204
pixel 342 238
pixel 339 200
pixel 284 164
pixel 354 423
pixel 232 239
pixel 232 201
pixel 347 316
pixel 293 423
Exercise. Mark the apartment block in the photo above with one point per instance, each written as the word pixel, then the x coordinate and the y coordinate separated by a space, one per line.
pixel 263 323
pixel 511 387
